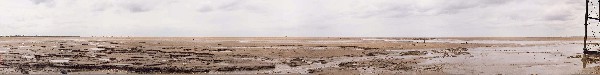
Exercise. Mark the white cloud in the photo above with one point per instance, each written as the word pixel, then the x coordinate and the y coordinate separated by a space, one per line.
pixel 292 17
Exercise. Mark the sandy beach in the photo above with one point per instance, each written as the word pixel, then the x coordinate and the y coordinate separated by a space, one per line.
pixel 295 55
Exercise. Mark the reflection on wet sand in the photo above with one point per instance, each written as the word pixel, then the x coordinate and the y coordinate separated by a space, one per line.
pixel 589 59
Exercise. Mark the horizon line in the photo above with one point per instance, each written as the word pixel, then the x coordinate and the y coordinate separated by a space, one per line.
pixel 290 36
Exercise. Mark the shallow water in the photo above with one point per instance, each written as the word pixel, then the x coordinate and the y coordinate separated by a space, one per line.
pixel 550 59
pixel 482 41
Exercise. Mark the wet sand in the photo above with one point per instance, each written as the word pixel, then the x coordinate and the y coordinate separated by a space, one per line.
pixel 294 55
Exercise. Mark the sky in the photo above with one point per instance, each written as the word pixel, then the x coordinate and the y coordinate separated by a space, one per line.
pixel 294 18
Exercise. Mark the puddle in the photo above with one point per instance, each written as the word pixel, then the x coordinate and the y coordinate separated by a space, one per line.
pixel 104 59
pixel 59 61
pixel 224 51
pixel 4 50
pixel 28 56
pixel 120 64
pixel 97 49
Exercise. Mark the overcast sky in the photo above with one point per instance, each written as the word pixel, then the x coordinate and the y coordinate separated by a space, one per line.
pixel 360 18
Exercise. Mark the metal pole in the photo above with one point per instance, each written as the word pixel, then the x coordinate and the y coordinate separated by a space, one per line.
pixel 585 49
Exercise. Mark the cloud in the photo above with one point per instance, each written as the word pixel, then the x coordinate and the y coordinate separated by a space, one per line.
pixel 292 17
pixel 136 8
pixel 231 5
pixel 41 1
pixel 205 9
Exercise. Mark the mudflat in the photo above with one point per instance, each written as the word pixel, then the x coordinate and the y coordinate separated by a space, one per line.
pixel 295 55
